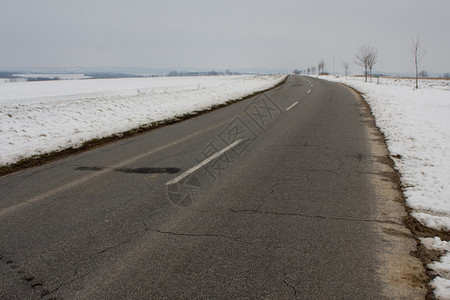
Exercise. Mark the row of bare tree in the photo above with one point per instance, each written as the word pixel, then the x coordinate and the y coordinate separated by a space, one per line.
pixel 312 70
pixel 367 56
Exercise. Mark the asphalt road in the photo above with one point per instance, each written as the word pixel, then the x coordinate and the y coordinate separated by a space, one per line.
pixel 272 197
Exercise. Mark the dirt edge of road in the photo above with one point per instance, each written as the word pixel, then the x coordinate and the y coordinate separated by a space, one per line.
pixel 403 259
pixel 38 160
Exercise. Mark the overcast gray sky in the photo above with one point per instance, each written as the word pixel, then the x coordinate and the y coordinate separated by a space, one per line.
pixel 221 34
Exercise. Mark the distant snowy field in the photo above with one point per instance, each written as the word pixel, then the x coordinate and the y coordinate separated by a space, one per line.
pixel 416 124
pixel 45 116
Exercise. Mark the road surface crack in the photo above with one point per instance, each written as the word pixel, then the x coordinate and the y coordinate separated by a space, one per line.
pixel 271 191
pixel 77 276
pixel 215 235
pixel 289 285
pixel 312 216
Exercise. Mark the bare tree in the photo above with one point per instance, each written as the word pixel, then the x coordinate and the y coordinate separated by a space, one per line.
pixel 361 58
pixel 366 57
pixel 313 69
pixel 346 66
pixel 372 59
pixel 321 66
pixel 418 51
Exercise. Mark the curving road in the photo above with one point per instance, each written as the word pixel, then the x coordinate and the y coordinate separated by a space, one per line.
pixel 284 195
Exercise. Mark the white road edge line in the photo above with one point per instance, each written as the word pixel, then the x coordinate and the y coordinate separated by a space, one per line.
pixel 292 106
pixel 206 161
pixel 308 92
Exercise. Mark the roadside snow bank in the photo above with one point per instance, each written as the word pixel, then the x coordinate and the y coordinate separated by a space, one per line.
pixel 441 283
pixel 41 117
pixel 416 125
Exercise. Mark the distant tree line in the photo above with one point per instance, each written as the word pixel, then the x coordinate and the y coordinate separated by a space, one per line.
pixel 42 78
pixel 9 75
pixel 20 76
pixel 108 75
pixel 205 73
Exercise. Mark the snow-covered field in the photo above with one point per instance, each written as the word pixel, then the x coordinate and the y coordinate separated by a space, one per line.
pixel 46 116
pixel 416 124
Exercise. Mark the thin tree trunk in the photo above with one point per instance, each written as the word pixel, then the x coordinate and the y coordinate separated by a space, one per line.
pixel 417 74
